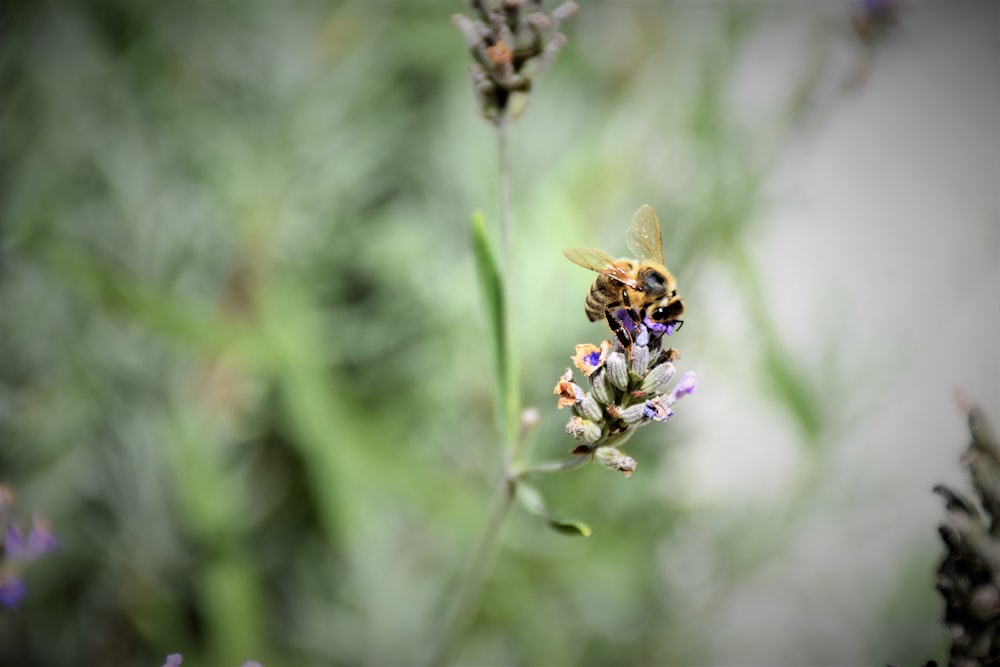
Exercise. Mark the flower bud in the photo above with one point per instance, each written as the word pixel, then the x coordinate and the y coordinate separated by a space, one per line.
pixel 613 459
pixel 599 387
pixel 589 409
pixel 617 369
pixel 639 360
pixel 635 414
pixel 984 602
pixel 658 378
pixel 583 429
pixel 642 336
pixel 528 422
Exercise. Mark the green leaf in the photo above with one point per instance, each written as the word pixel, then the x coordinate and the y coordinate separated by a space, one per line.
pixel 491 284
pixel 531 499
pixel 570 527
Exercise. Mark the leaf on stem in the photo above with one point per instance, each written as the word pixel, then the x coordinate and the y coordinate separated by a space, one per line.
pixel 531 500
pixel 494 300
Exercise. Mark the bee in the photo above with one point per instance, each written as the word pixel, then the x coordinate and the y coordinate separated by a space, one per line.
pixel 637 289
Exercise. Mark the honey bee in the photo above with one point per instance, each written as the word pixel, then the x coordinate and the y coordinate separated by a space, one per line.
pixel 629 291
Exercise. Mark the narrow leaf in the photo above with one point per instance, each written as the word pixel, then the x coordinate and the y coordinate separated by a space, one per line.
pixel 531 499
pixel 569 527
pixel 491 284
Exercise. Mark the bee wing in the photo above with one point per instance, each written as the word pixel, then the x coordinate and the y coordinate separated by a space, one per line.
pixel 602 262
pixel 645 240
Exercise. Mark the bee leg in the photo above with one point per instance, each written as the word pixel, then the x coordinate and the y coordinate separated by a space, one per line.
pixel 630 311
pixel 619 330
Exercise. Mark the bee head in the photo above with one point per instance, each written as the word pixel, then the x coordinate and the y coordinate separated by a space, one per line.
pixel 654 283
pixel 666 311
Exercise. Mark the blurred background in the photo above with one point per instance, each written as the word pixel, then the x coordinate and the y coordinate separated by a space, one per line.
pixel 245 371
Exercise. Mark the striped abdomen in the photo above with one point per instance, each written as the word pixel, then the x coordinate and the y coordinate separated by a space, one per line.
pixel 605 294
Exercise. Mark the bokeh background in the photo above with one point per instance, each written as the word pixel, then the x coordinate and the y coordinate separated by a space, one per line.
pixel 245 371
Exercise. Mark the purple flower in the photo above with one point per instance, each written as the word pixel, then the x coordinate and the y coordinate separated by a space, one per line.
pixel 12 590
pixel 656 410
pixel 589 358
pixel 40 541
pixel 175 660
pixel 622 316
pixel 686 385
pixel 17 550
pixel 13 542
pixel 659 327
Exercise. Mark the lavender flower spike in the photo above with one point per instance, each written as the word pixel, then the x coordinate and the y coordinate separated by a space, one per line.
pixel 628 390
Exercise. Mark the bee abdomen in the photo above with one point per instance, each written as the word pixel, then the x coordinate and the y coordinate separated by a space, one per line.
pixel 595 306
pixel 602 295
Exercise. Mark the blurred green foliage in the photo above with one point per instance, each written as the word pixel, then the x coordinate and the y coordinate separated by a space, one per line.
pixel 245 370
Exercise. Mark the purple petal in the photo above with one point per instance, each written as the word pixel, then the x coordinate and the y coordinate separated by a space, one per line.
pixel 41 539
pixel 13 542
pixel 251 663
pixel 622 316
pixel 173 660
pixel 11 591
pixel 686 385
pixel 656 410
pixel 658 327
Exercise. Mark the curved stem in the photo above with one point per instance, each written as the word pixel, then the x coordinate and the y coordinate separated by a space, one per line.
pixel 471 586
pixel 479 567
pixel 553 466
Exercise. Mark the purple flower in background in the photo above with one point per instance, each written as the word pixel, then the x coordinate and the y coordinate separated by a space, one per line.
pixel 40 541
pixel 16 550
pixel 12 589
pixel 175 660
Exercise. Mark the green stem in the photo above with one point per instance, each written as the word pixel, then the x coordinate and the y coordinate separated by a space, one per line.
pixel 552 466
pixel 504 177
pixel 471 588
pixel 512 399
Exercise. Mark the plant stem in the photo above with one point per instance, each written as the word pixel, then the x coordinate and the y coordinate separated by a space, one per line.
pixel 512 400
pixel 504 176
pixel 471 588
pixel 553 466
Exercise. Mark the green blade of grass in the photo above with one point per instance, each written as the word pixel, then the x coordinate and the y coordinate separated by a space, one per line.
pixel 494 301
